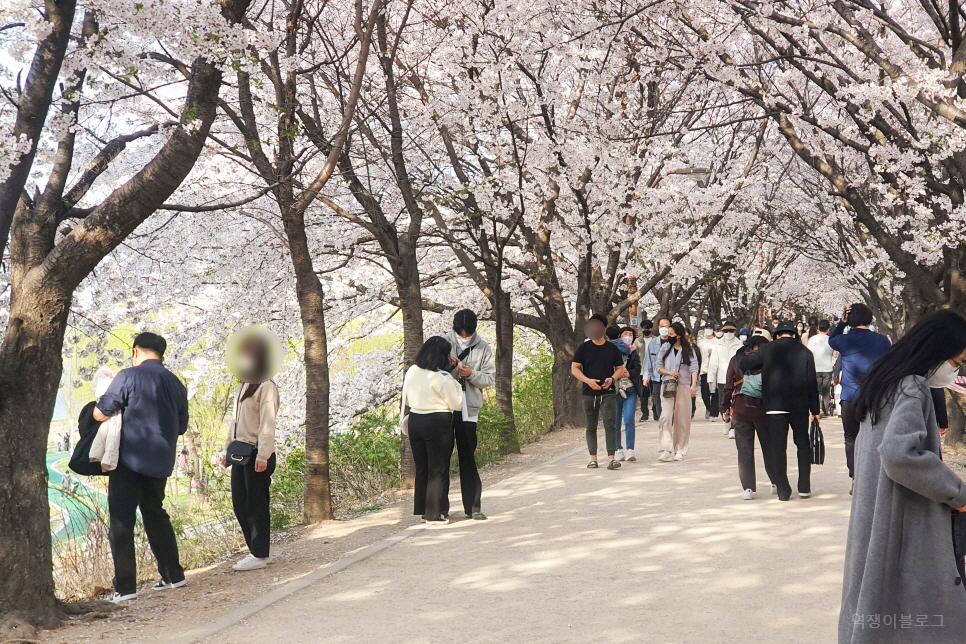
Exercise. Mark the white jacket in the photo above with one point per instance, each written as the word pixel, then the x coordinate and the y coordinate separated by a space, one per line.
pixel 107 443
pixel 704 347
pixel 721 354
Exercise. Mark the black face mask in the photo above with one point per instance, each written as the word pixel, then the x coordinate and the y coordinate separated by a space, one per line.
pixel 667 340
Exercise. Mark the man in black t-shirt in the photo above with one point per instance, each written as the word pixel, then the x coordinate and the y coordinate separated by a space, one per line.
pixel 599 364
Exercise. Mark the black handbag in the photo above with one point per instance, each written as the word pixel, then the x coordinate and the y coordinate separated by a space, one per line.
pixel 80 458
pixel 239 452
pixel 817 443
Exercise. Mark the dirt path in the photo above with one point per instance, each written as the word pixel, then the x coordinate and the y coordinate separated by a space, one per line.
pixel 654 552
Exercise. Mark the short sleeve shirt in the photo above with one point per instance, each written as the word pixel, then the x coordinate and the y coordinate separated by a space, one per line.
pixel 598 362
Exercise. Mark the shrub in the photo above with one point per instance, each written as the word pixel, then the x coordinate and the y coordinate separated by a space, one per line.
pixel 533 395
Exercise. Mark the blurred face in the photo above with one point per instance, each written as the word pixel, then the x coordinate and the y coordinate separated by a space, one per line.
pixel 594 330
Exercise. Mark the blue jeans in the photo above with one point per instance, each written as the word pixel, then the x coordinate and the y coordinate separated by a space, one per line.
pixel 625 409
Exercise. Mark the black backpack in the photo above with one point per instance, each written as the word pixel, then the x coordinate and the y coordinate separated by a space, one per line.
pixel 80 459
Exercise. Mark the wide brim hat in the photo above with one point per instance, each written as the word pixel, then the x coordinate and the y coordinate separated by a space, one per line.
pixel 729 326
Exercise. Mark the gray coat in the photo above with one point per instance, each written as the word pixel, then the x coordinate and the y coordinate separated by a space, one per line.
pixel 480 361
pixel 899 563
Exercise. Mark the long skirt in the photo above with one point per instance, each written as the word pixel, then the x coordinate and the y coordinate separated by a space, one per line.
pixel 675 423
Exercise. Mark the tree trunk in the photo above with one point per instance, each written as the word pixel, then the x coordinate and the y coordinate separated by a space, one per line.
pixel 567 407
pixel 503 317
pixel 30 371
pixel 318 494
pixel 957 419
pixel 411 304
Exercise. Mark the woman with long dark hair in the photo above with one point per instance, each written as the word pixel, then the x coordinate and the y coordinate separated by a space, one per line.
pixel 678 365
pixel 253 425
pixel 900 558
pixel 431 395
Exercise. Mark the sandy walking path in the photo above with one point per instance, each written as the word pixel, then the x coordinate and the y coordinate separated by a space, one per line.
pixel 653 552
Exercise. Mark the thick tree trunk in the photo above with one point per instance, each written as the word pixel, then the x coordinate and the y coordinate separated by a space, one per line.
pixel 957 419
pixel 503 317
pixel 567 407
pixel 318 495
pixel 30 371
pixel 411 303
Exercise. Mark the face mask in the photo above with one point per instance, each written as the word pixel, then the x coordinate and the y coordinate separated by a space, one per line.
pixel 943 375
pixel 463 342
pixel 594 332
pixel 708 333
pixel 646 333
pixel 718 334
pixel 743 338
pixel 672 340
pixel 664 331
pixel 800 327
pixel 729 336
pixel 628 339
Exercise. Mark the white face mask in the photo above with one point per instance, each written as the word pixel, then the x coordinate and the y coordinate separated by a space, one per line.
pixel 943 375
pixel 663 331
pixel 718 334
pixel 743 338
pixel 463 342
pixel 729 336
pixel 708 333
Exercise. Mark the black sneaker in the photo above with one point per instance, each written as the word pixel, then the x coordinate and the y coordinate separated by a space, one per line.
pixel 163 585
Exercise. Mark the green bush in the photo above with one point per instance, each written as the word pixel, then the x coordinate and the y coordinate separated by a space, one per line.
pixel 364 460
pixel 533 396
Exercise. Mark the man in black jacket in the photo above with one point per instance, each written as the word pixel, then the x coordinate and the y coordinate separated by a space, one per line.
pixel 790 396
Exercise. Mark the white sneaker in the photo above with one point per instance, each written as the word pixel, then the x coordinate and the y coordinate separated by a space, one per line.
pixel 707 415
pixel 679 456
pixel 250 563
pixel 117 598
pixel 714 419
pixel 804 495
pixel 629 456
pixel 774 489
pixel 747 495
pixel 725 430
pixel 665 457
pixel 619 455
pixel 438 522
pixel 731 433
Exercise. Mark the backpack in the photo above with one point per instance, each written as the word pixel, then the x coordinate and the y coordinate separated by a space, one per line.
pixel 751 385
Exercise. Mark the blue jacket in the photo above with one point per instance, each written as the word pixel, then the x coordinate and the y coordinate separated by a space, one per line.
pixel 650 366
pixel 153 404
pixel 858 349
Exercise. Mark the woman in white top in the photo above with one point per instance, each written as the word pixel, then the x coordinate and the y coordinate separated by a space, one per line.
pixel 256 406
pixel 432 395
pixel 677 363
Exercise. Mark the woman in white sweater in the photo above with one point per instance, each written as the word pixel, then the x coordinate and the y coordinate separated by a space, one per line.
pixel 432 395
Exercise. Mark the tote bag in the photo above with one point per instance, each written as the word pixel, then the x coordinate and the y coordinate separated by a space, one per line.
pixel 817 443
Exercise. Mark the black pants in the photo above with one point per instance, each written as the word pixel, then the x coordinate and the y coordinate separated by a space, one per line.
pixel 126 492
pixel 745 443
pixel 710 403
pixel 851 426
pixel 778 425
pixel 250 500
pixel 597 408
pixel 655 390
pixel 825 389
pixel 431 439
pixel 645 397
pixel 471 485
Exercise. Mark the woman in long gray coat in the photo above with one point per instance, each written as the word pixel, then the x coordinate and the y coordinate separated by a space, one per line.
pixel 902 581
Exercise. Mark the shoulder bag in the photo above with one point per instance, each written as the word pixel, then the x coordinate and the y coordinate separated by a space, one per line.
pixel 817 442
pixel 239 452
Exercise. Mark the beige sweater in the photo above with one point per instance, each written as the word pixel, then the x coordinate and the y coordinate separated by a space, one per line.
pixel 254 421
pixel 427 392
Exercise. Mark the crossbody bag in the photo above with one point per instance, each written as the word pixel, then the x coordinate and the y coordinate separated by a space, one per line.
pixel 239 452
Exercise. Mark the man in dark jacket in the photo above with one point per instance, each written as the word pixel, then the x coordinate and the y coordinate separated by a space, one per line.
pixel 748 413
pixel 153 404
pixel 790 395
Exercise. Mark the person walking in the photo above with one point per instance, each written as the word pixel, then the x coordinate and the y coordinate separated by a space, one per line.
pixel 649 369
pixel 824 363
pixel 431 395
pixel 647 330
pixel 790 395
pixel 900 557
pixel 678 367
pixel 741 397
pixel 598 364
pixel 858 348
pixel 252 432
pixel 153 404
pixel 721 354
pixel 710 398
pixel 743 335
pixel 628 388
pixel 473 367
